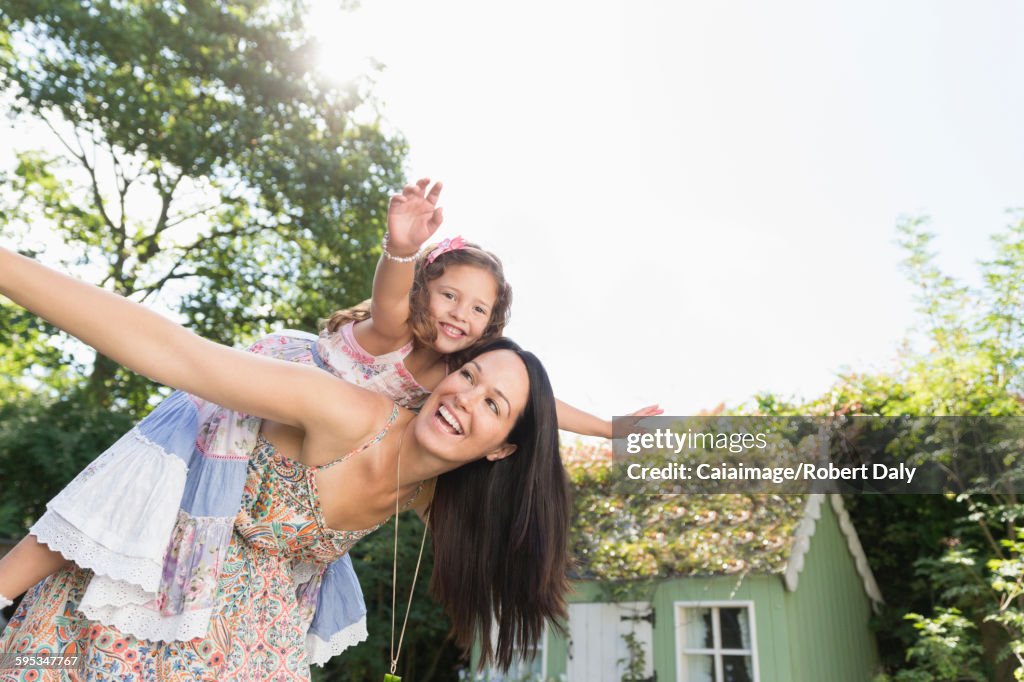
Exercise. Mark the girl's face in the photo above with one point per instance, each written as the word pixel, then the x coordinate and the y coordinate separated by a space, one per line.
pixel 471 412
pixel 460 303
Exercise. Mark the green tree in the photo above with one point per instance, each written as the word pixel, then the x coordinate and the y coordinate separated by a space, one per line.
pixel 206 168
pixel 965 548
pixel 205 165
pixel 42 443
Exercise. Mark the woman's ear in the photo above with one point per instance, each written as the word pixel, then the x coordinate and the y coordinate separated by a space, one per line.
pixel 501 452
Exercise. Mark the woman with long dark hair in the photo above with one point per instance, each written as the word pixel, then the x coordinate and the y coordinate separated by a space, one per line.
pixel 331 464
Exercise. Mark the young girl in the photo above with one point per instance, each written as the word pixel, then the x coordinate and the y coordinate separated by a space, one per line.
pixel 425 312
pixel 421 318
pixel 486 439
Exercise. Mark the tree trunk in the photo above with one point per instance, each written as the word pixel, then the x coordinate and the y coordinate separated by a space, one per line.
pixel 101 380
pixel 993 641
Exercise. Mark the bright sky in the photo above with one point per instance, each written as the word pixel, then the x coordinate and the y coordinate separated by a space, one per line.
pixel 697 200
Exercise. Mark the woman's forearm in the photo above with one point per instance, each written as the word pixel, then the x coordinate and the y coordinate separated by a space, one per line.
pixel 150 344
pixel 126 332
pixel 583 423
pixel 120 329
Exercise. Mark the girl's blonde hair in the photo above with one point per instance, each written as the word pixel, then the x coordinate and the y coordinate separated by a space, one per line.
pixel 423 329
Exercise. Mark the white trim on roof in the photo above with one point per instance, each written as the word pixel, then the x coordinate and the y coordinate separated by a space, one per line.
pixel 802 544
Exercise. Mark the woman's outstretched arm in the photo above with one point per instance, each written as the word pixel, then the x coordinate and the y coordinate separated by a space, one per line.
pixel 166 352
pixel 576 420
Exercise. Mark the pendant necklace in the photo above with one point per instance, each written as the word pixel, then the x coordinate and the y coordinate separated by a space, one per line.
pixel 392 677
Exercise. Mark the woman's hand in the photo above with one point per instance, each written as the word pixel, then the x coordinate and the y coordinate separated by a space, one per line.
pixel 154 346
pixel 649 411
pixel 413 217
pixel 586 424
pixel 632 419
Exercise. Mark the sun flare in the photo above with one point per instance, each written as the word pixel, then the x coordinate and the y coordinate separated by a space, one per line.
pixel 345 41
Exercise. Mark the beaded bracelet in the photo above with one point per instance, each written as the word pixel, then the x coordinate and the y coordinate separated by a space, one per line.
pixel 397 259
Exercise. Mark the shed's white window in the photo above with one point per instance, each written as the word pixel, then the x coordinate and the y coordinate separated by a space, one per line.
pixel 716 643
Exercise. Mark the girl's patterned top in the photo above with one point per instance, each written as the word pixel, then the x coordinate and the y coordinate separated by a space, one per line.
pixel 386 374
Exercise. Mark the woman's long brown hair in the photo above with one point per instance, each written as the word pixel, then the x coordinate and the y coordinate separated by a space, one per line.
pixel 500 532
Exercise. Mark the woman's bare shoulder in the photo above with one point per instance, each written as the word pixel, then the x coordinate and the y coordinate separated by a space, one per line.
pixel 343 414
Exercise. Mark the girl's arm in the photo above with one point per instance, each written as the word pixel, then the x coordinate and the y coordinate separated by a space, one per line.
pixel 156 347
pixel 413 217
pixel 586 424
pixel 29 562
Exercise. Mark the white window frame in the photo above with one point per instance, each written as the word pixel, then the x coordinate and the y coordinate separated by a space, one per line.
pixel 681 650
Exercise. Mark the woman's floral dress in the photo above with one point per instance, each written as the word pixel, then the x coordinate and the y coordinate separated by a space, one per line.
pixel 266 594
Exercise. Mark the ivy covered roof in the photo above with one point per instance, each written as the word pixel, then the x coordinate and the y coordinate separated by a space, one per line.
pixel 621 536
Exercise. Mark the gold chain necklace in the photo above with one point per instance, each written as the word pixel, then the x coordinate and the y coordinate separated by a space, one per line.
pixel 392 677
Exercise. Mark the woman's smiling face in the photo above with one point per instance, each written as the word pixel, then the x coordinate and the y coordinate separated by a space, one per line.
pixel 471 412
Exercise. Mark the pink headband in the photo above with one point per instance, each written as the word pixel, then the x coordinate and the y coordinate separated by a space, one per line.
pixel 445 246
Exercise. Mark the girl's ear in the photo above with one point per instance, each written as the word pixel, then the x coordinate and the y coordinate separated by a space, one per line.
pixel 501 452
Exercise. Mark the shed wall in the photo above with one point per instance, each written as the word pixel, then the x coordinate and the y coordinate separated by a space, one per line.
pixel 828 614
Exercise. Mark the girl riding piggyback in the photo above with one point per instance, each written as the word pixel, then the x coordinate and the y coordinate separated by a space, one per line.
pixel 427 310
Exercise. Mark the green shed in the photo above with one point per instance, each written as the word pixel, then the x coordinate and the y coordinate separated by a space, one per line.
pixel 734 588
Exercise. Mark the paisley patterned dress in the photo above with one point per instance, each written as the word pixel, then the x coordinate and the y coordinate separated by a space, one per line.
pixel 266 594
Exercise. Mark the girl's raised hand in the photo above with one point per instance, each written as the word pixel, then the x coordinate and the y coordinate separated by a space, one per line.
pixel 413 217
